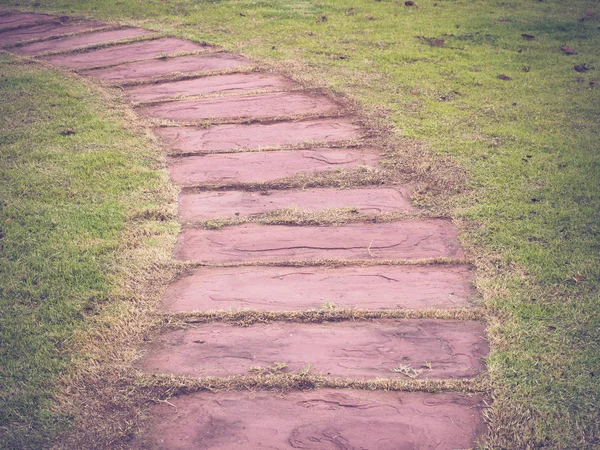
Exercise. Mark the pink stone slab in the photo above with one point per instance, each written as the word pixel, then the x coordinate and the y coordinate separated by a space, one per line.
pixel 214 204
pixel 260 106
pixel 256 167
pixel 413 239
pixel 81 40
pixel 320 420
pixel 236 136
pixel 238 82
pixel 292 289
pixel 21 19
pixel 45 30
pixel 124 53
pixel 143 70
pixel 354 350
pixel 324 419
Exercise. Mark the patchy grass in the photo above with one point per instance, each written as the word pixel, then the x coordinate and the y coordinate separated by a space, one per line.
pixel 527 142
pixel 75 180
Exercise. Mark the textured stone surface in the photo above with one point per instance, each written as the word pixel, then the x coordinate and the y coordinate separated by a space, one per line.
pixel 213 204
pixel 236 136
pixel 255 167
pixel 354 350
pixel 18 19
pixel 124 53
pixel 325 419
pixel 294 288
pixel 413 239
pixel 259 106
pixel 143 70
pixel 54 28
pixel 80 40
pixel 238 82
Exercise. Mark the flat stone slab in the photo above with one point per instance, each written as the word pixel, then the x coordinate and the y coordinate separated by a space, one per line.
pixel 257 167
pixel 236 136
pixel 259 106
pixel 238 82
pixel 292 289
pixel 144 70
pixel 19 19
pixel 414 239
pixel 81 40
pixel 215 204
pixel 324 419
pixel 351 350
pixel 124 53
pixel 55 28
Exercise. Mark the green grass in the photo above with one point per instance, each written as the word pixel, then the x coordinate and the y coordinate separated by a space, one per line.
pixel 64 205
pixel 529 145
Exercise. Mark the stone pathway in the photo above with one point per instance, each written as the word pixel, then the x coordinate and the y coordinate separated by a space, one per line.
pixel 234 137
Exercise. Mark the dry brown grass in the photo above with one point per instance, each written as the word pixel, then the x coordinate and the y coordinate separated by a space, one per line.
pixel 249 317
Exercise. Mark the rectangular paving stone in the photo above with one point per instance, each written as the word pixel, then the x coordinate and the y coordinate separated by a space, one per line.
pixel 241 136
pixel 81 40
pixel 214 204
pixel 259 106
pixel 293 289
pixel 257 167
pixel 351 350
pixel 18 19
pixel 323 419
pixel 123 53
pixel 238 82
pixel 143 70
pixel 54 28
pixel 414 239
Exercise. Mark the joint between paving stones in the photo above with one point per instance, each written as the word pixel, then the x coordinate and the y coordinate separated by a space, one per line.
pixel 174 320
pixel 161 123
pixel 333 263
pixel 179 384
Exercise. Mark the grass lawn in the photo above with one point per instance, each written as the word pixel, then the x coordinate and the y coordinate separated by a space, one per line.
pixel 480 84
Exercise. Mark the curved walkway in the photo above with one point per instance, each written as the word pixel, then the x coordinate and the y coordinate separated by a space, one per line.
pixel 377 303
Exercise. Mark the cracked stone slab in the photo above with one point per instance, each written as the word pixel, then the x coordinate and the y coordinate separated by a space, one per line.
pixel 19 19
pixel 292 289
pixel 54 28
pixel 256 167
pixel 216 204
pixel 232 83
pixel 322 419
pixel 123 53
pixel 414 239
pixel 384 348
pixel 81 40
pixel 236 136
pixel 259 106
pixel 144 70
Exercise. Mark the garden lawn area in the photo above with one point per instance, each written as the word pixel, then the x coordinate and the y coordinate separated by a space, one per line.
pixel 481 83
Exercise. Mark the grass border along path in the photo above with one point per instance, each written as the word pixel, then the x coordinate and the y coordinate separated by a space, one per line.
pixel 87 224
pixel 484 83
